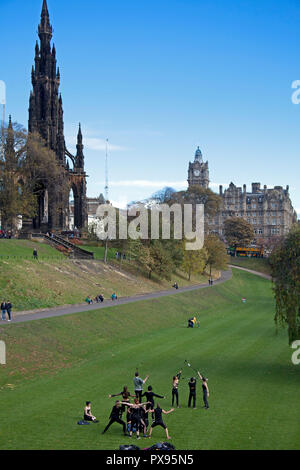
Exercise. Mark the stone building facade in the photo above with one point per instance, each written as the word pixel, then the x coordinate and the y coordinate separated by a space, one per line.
pixel 268 210
pixel 46 119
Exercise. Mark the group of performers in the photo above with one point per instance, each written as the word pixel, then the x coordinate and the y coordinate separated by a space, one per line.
pixel 137 413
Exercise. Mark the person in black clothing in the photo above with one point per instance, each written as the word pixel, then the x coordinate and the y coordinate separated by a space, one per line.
pixel 35 254
pixel 205 391
pixel 88 413
pixel 150 398
pixel 158 421
pixel 192 395
pixel 175 388
pixel 136 417
pixel 8 309
pixel 3 310
pixel 115 417
pixel 125 396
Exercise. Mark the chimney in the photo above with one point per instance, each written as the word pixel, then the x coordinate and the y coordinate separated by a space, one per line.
pixel 221 190
pixel 255 188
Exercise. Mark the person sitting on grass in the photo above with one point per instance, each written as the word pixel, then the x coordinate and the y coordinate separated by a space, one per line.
pixel 158 421
pixel 114 296
pixel 88 413
pixel 89 300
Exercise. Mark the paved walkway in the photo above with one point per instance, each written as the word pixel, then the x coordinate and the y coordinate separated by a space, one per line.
pixel 257 273
pixel 20 317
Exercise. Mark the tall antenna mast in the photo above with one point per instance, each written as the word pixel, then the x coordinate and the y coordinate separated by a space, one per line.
pixel 106 172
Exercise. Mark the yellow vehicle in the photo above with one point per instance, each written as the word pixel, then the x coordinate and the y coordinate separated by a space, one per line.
pixel 250 252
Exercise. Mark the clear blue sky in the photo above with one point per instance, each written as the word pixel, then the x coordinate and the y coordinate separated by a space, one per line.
pixel 159 77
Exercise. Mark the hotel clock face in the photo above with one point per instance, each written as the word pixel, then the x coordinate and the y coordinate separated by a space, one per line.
pixel 196 173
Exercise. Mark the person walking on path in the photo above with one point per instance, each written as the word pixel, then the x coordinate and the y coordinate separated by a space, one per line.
pixel 3 310
pixel 138 385
pixel 8 309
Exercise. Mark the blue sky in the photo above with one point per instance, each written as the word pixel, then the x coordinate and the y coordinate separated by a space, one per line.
pixel 159 78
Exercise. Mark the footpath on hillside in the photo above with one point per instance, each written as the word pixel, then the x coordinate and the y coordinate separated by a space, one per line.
pixel 19 317
pixel 257 273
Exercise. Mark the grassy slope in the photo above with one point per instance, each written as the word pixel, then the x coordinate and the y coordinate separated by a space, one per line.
pixel 55 365
pixel 257 264
pixel 55 280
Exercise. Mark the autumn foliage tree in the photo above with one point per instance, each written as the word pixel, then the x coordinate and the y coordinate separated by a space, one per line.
pixel 238 232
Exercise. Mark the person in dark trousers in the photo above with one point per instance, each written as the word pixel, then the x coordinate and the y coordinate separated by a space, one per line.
pixel 175 285
pixel 8 309
pixel 205 391
pixel 87 415
pixel 150 398
pixel 138 385
pixel 3 310
pixel 35 254
pixel 137 421
pixel 158 421
pixel 192 395
pixel 125 396
pixel 115 417
pixel 175 388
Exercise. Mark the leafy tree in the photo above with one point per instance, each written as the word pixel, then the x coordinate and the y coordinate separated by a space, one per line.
pixel 216 254
pixel 238 232
pixel 285 270
pixel 27 169
pixel 198 195
pixel 194 262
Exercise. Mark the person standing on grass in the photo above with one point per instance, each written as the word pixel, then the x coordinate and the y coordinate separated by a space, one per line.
pixel 175 388
pixel 35 254
pixel 205 391
pixel 125 396
pixel 3 310
pixel 8 309
pixel 137 421
pixel 158 421
pixel 115 417
pixel 192 395
pixel 138 385
pixel 150 398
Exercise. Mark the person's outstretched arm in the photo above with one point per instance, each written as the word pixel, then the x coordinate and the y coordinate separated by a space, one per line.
pixel 167 412
pixel 116 395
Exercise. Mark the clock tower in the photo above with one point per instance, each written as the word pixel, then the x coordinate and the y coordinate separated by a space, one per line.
pixel 198 174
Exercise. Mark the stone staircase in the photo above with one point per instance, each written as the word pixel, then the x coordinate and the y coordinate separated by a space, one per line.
pixel 75 251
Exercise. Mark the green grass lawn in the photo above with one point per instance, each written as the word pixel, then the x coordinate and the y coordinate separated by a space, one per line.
pixel 257 264
pixel 55 365
pixel 23 249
